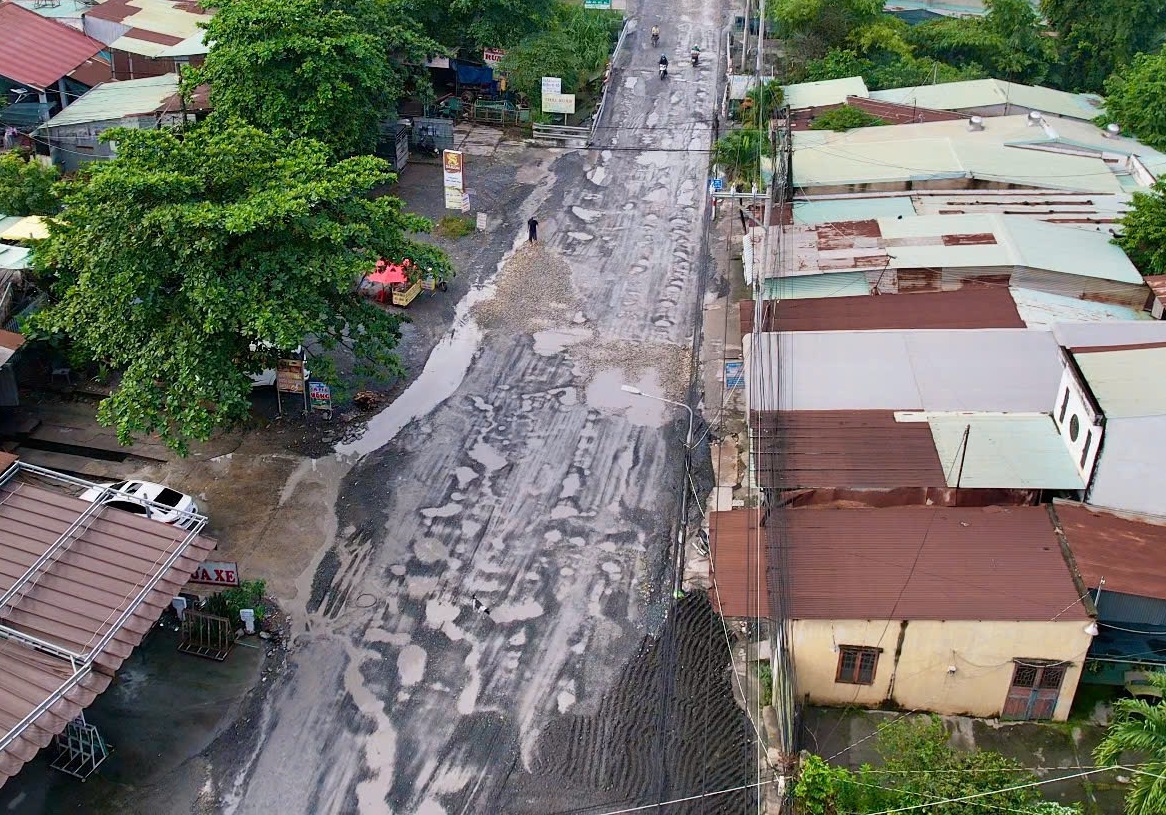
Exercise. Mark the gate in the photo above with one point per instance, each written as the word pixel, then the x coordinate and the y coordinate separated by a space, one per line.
pixel 1034 691
pixel 206 635
pixel 80 749
pixel 566 134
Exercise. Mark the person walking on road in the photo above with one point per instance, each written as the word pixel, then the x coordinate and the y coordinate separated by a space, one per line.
pixel 532 230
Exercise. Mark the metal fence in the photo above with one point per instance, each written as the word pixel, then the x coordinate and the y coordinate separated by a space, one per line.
pixel 562 133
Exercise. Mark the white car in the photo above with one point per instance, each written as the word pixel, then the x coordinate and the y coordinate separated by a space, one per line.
pixel 154 501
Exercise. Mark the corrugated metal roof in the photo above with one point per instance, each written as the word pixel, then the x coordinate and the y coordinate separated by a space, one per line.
pixel 738 564
pixel 924 563
pixel 116 100
pixel 1004 452
pixel 839 284
pixel 176 21
pixel 741 84
pixel 1076 336
pixel 1128 383
pixel 30 227
pixel 95 597
pixel 844 448
pixel 969 308
pixel 824 92
pixel 1157 284
pixel 1128 473
pixel 1041 309
pixel 15 257
pixel 37 51
pixel 825 210
pixel 978 241
pixel 1129 554
pixel 983 93
pixel 1015 370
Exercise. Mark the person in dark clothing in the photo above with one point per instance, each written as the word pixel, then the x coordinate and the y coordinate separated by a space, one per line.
pixel 532 229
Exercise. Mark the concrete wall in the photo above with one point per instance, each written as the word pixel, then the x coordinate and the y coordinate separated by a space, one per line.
pixel 914 674
pixel 76 145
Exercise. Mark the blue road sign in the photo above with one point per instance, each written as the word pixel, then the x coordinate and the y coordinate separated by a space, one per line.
pixel 734 374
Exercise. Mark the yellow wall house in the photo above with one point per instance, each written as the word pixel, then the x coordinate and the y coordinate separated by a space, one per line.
pixel 953 610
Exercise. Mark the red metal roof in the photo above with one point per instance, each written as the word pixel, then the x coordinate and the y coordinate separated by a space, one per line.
pixel 1129 554
pixel 971 307
pixel 924 563
pixel 37 51
pixel 738 564
pixel 1157 284
pixel 845 448
pixel 96 597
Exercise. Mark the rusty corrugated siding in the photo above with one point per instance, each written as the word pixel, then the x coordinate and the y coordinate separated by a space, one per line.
pixel 75 600
pixel 844 448
pixel 972 308
pixel 898 114
pixel 925 563
pixel 1130 555
pixel 739 564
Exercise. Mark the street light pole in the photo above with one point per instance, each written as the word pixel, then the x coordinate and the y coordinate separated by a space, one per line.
pixel 691 415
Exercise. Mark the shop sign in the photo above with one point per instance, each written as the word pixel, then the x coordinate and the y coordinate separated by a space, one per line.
pixel 289 376
pixel 217 573
pixel 492 56
pixel 558 103
pixel 453 164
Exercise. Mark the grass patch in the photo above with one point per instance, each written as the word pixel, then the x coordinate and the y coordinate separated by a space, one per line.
pixel 454 226
pixel 765 681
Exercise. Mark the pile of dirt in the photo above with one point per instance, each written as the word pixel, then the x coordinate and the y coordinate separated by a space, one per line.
pixel 533 292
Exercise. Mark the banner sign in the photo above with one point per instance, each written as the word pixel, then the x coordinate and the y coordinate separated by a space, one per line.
pixel 453 166
pixel 320 396
pixel 217 573
pixel 453 198
pixel 492 56
pixel 734 374
pixel 603 4
pixel 552 84
pixel 289 376
pixel 558 103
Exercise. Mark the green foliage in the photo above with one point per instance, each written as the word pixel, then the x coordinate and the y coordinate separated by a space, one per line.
pixel 1008 42
pixel 1139 728
pixel 1134 99
pixel 845 118
pixel 1143 231
pixel 823 789
pixel 191 259
pixel 27 186
pixel 889 71
pixel 320 69
pixel 765 681
pixel 574 46
pixel 229 602
pixel 468 26
pixel 739 153
pixel 762 102
pixel 1096 39
pixel 454 226
pixel 818 25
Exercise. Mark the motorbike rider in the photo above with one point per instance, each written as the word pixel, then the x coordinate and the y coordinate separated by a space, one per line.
pixel 655 35
pixel 694 54
pixel 663 66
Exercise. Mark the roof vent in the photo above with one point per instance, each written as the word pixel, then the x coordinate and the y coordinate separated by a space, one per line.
pixel 1034 117
pixel 1112 130
pixel 976 123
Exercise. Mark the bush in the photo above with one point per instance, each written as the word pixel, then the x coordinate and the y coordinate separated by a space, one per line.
pixel 846 118
pixel 454 226
pixel 228 603
pixel 765 681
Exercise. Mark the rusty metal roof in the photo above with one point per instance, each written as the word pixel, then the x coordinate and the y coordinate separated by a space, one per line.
pixel 37 51
pixel 970 307
pixel 844 448
pixel 924 563
pixel 738 564
pixel 1157 284
pixel 1129 554
pixel 80 586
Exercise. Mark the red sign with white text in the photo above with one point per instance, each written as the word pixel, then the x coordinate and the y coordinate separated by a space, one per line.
pixel 217 573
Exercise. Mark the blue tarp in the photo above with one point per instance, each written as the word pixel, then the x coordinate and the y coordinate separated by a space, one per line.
pixel 468 74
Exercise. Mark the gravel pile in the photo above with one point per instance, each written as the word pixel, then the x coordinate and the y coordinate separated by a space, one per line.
pixel 533 292
pixel 672 363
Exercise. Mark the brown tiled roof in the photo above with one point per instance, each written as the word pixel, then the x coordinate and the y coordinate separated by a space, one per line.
pixel 845 448
pixel 1129 554
pixel 971 307
pixel 924 563
pixel 738 561
pixel 114 577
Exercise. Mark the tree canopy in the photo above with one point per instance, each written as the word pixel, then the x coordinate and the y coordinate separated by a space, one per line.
pixel 1134 99
pixel 1142 234
pixel 819 25
pixel 1095 39
pixel 468 26
pixel 846 118
pixel 320 69
pixel 27 186
pixel 192 259
pixel 1139 728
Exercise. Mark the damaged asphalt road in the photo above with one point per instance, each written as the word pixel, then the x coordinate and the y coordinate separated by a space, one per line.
pixel 502 539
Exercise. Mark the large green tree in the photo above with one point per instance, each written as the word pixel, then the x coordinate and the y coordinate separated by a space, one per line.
pixel 190 259
pixel 1139 729
pixel 1095 39
pixel 1135 98
pixel 322 69
pixel 468 26
pixel 815 26
pixel 27 187
pixel 1142 232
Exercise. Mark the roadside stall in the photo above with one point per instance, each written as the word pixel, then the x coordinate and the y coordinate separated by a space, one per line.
pixel 399 283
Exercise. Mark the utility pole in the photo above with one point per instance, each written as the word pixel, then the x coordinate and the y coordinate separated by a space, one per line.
pixel 745 35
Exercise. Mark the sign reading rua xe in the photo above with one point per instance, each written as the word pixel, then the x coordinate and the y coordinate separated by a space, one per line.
pixel 289 376
pixel 217 573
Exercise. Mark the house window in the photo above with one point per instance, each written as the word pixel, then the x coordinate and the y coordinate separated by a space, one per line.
pixel 856 665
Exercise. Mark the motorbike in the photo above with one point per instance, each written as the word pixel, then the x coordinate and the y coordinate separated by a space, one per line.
pixel 655 38
pixel 695 58
pixel 663 70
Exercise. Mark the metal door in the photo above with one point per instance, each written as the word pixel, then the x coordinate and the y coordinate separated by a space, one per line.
pixel 1034 691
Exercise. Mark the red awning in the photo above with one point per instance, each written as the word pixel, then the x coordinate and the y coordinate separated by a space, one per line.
pixel 388 274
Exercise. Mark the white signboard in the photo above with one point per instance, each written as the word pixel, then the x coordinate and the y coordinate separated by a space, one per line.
pixel 453 199
pixel 453 167
pixel 492 56
pixel 558 102
pixel 552 84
